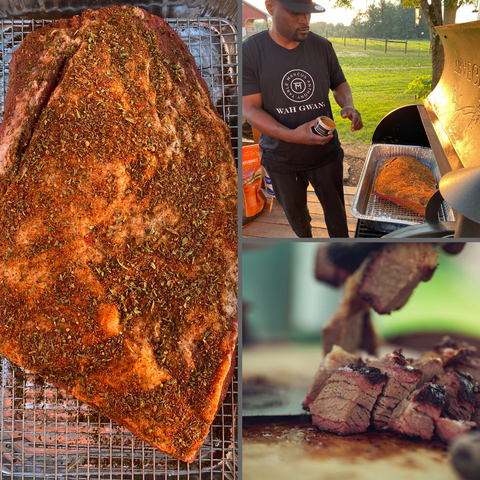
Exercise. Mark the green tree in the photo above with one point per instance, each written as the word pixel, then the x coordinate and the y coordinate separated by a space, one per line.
pixel 436 13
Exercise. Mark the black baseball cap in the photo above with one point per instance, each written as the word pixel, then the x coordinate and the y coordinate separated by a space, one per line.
pixel 302 6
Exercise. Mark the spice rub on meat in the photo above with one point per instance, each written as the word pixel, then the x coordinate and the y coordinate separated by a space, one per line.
pixel 407 182
pixel 118 223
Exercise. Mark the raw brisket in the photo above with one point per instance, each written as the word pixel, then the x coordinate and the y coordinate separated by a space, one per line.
pixel 407 182
pixel 345 403
pixel 118 225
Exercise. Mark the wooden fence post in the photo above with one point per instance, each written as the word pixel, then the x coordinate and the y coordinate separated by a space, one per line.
pixel 406 46
pixel 365 46
pixel 386 41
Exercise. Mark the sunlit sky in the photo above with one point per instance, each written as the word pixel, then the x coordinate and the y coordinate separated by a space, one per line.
pixel 341 15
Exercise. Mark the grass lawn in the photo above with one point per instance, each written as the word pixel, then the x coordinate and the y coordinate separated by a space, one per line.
pixel 378 81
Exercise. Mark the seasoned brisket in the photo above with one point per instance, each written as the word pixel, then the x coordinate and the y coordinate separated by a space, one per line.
pixel 407 182
pixel 402 381
pixel 331 363
pixel 345 403
pixel 415 416
pixel 460 396
pixel 448 430
pixel 118 223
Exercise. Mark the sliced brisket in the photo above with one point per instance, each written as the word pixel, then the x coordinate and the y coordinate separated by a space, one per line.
pixel 392 274
pixel 476 413
pixel 415 415
pixel 345 403
pixel 347 325
pixel 402 381
pixel 448 429
pixel 337 358
pixel 460 396
pixel 430 367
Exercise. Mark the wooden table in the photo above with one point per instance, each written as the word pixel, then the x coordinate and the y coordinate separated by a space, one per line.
pixel 273 223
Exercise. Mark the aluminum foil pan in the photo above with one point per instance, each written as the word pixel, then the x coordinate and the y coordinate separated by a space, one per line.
pixel 52 9
pixel 381 214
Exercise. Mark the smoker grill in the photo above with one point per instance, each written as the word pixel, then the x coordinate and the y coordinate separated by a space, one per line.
pixel 448 126
pixel 44 433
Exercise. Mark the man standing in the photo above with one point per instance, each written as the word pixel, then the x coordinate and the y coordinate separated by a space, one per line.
pixel 287 74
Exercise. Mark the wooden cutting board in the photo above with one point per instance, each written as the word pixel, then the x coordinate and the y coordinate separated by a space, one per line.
pixel 289 451
pixel 298 451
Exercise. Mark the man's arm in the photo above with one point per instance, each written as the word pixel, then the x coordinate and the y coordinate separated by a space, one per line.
pixel 257 117
pixel 343 96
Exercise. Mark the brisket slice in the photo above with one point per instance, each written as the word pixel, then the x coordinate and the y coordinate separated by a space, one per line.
pixel 460 396
pixel 345 403
pixel 346 327
pixel 448 430
pixel 331 363
pixel 415 415
pixel 118 223
pixel 392 274
pixel 402 381
pixel 430 367
pixel 405 181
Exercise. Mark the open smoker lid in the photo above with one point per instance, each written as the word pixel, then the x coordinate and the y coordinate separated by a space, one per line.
pixel 53 9
pixel 454 105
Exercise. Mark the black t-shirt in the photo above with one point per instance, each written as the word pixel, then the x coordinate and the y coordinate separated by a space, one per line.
pixel 294 85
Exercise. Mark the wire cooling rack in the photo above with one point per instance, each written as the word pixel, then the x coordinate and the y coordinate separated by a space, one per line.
pixel 45 433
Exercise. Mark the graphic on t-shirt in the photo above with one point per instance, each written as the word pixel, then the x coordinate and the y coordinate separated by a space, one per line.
pixel 298 85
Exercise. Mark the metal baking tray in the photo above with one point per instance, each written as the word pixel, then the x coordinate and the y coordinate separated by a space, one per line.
pixel 45 433
pixel 381 214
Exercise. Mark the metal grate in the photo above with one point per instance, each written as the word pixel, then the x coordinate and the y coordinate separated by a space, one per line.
pixel 45 433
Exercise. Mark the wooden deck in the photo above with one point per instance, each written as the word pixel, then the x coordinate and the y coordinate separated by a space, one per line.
pixel 274 224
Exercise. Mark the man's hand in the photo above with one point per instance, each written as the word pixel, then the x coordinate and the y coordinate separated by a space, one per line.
pixel 354 115
pixel 304 135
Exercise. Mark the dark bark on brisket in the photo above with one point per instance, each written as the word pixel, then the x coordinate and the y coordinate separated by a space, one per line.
pixel 460 397
pixel 415 415
pixel 344 405
pixel 331 363
pixel 402 381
